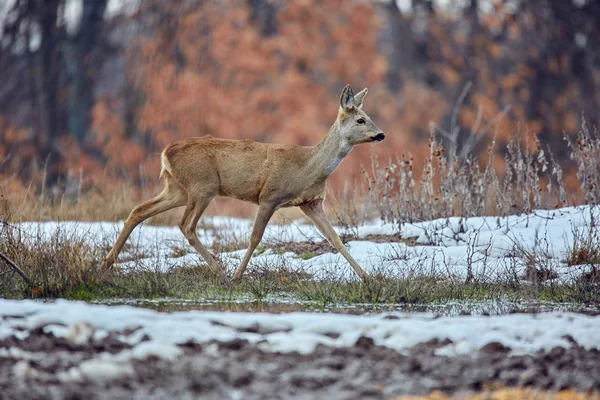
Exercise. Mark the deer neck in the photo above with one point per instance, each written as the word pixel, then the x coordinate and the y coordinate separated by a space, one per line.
pixel 328 154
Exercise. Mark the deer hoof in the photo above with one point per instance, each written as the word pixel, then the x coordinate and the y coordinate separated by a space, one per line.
pixel 237 277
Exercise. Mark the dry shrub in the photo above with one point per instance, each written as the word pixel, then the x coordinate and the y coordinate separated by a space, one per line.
pixel 529 177
pixel 586 251
pixel 585 152
pixel 54 264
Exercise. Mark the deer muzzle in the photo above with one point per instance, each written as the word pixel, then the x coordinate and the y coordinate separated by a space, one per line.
pixel 379 137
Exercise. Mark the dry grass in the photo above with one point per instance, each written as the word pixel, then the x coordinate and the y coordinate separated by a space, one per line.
pixel 54 265
pixel 586 246
pixel 527 178
pixel 510 394
pixel 64 264
pixel 19 204
pixel 586 251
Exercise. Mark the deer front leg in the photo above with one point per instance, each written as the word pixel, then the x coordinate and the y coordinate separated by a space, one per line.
pixel 188 225
pixel 264 214
pixel 314 211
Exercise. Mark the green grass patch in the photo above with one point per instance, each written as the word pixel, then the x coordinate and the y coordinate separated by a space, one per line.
pixel 260 249
pixel 306 255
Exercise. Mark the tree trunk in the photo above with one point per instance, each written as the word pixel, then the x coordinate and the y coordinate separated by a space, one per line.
pixel 265 13
pixel 77 64
pixel 46 73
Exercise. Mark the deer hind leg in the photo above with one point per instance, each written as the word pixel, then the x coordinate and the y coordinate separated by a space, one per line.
pixel 264 214
pixel 314 211
pixel 172 196
pixel 193 212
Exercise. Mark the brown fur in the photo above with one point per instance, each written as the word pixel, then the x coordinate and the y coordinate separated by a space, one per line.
pixel 272 176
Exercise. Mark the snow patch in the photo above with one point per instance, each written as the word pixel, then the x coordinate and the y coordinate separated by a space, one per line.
pixel 301 332
pixel 103 370
pixel 163 351
pixel 486 247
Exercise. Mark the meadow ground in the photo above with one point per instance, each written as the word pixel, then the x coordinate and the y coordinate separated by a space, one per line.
pixel 550 256
pixel 457 307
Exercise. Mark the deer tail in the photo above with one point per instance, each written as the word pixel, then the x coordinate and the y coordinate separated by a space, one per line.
pixel 165 166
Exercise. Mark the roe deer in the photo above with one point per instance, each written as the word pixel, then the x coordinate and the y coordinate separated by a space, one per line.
pixel 272 176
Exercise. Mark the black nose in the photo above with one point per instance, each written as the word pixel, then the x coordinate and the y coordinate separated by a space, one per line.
pixel 379 137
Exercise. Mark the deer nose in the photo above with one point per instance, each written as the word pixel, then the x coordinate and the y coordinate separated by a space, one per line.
pixel 379 137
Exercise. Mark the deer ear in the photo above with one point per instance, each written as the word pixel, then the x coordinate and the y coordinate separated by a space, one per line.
pixel 347 99
pixel 359 97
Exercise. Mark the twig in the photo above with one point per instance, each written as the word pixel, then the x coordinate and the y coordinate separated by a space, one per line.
pixel 458 105
pixel 19 270
pixel 476 136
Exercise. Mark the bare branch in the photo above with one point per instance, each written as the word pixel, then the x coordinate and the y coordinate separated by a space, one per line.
pixel 476 137
pixel 475 126
pixel 459 104
pixel 443 133
pixel 14 266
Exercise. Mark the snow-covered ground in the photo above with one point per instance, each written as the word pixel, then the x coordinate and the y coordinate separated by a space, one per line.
pixel 159 334
pixel 67 346
pixel 491 248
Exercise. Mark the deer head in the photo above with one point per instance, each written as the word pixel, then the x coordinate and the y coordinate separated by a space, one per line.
pixel 354 125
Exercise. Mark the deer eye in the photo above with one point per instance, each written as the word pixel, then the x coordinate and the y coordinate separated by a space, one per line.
pixel 360 121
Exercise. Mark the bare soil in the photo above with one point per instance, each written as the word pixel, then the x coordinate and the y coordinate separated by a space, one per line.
pixel 315 248
pixel 238 370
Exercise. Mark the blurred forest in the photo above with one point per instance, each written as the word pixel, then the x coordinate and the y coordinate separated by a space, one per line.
pixel 91 90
